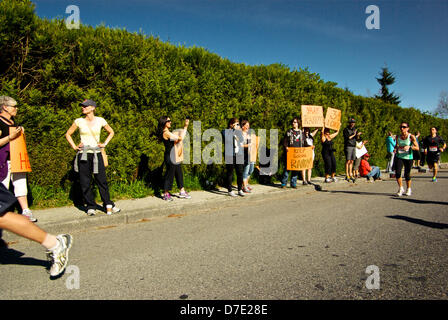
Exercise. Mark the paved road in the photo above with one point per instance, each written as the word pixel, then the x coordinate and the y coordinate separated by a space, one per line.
pixel 309 246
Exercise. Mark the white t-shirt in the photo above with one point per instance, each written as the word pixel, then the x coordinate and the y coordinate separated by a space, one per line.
pixel 86 133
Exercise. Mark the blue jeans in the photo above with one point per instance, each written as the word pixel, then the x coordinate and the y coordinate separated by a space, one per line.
pixel 248 170
pixel 374 173
pixel 294 175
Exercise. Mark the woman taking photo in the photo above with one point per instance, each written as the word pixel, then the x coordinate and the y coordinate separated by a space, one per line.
pixel 328 154
pixel 173 168
pixel 89 159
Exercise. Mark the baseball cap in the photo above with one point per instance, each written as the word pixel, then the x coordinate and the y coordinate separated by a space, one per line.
pixel 87 103
pixel 351 120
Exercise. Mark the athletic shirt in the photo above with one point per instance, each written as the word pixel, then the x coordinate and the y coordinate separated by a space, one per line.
pixel 85 131
pixel 433 144
pixel 401 153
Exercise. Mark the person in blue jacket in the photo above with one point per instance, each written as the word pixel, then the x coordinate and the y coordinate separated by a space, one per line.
pixel 390 145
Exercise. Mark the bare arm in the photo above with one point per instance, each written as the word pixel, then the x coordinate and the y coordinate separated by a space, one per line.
pixel 332 136
pixel 68 136
pixel 111 132
pixel 414 143
pixel 10 137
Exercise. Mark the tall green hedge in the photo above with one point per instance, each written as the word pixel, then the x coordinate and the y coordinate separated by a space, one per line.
pixel 135 79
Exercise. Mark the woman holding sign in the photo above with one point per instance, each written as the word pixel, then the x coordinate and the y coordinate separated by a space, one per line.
pixel 173 165
pixel 309 142
pixel 328 154
pixel 8 111
pixel 89 158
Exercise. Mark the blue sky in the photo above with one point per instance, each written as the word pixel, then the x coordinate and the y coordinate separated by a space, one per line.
pixel 329 37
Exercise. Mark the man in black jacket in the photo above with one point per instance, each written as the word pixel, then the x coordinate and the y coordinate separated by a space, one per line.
pixel 350 148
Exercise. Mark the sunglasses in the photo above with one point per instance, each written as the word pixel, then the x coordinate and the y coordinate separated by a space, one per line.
pixel 237 124
pixel 403 127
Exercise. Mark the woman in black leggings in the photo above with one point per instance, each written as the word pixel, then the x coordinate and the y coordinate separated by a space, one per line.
pixel 173 169
pixel 328 154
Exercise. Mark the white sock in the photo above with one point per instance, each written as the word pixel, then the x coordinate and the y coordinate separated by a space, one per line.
pixel 51 242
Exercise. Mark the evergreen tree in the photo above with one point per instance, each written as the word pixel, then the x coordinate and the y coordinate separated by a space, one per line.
pixel 387 78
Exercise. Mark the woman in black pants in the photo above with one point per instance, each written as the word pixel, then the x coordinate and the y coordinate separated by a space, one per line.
pixel 173 169
pixel 328 154
pixel 89 160
pixel 234 155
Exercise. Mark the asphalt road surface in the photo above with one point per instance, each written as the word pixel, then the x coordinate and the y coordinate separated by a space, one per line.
pixel 313 245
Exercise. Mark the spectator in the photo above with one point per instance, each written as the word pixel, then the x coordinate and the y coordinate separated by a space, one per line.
pixel 293 138
pixel 359 144
pixel 89 160
pixel 309 142
pixel 234 156
pixel 173 168
pixel 328 154
pixel 390 146
pixel 249 165
pixel 368 171
pixel 8 111
pixel 350 149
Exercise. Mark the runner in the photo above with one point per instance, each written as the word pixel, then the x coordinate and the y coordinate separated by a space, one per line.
pixel 406 143
pixel 57 246
pixel 433 146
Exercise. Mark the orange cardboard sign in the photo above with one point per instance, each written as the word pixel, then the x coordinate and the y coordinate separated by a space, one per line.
pixel 299 158
pixel 333 119
pixel 19 156
pixel 312 116
pixel 254 142
pixel 179 151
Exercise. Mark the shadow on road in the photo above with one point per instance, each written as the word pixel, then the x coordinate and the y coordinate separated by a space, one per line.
pixel 11 256
pixel 421 201
pixel 362 193
pixel 421 222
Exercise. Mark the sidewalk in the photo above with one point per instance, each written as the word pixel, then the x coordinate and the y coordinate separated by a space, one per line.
pixel 70 219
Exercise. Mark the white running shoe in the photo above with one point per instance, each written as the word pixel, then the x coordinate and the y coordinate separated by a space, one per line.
pixel 241 193
pixel 59 257
pixel 91 212
pixel 27 213
pixel 408 192
pixel 112 210
pixel 232 194
pixel 400 192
